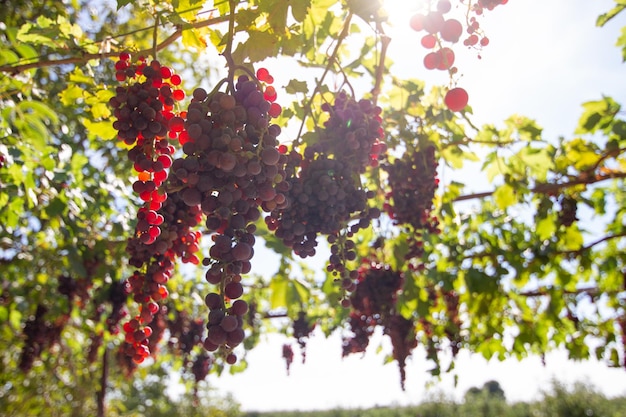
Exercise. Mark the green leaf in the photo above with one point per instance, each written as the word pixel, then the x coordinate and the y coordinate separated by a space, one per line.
pixel 39 110
pixel 100 111
pixel 259 46
pixel 546 228
pixel 102 130
pixel 4 314
pixel 296 86
pixel 15 318
pixel 194 38
pixel 598 114
pixel 572 239
pixel 122 3
pixel 621 42
pixel 504 196
pixel 539 161
pixel 278 289
pixel 605 17
pixel 70 96
pixel 299 9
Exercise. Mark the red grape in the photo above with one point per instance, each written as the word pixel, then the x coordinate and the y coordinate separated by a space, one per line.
pixel 456 99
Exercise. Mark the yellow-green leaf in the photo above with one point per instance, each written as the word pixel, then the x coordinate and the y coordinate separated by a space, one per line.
pixel 504 196
pixel 546 228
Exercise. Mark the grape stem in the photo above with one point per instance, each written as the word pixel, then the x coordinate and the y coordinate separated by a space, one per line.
pixel 155 36
pixel 380 68
pixel 227 54
pixel 103 383
pixel 331 61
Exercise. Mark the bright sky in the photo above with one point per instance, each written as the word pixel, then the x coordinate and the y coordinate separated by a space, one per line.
pixel 545 59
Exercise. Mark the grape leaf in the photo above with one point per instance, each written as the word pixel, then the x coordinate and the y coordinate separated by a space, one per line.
pixel 545 228
pixel 504 196
pixel 605 17
pixel 122 3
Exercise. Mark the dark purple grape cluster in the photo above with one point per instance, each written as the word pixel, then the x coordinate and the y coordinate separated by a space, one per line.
pixel 352 134
pixel 288 356
pixel 567 215
pixel 322 200
pixel 201 366
pixel 117 295
pixel 362 328
pixel 376 290
pixel 302 328
pixel 325 195
pixel 374 304
pixel 412 182
pixel 401 331
pixel 232 169
pixel 185 332
pixel 40 334
pixel 71 287
pixel 373 300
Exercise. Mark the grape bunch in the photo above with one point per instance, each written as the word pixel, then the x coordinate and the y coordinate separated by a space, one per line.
pixel 146 121
pixel 232 168
pixel 401 331
pixel 352 134
pixel 287 356
pixel 442 31
pixel 302 328
pixel 40 334
pixel 412 182
pixel 143 108
pixel 376 290
pixel 362 328
pixel 567 215
pixel 374 304
pixel 178 240
pixel 373 301
pixel 325 195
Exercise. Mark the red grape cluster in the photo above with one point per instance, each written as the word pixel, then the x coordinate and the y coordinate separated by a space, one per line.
pixel 376 290
pixel 177 240
pixel 440 29
pixel 325 195
pixel 146 121
pixel 412 182
pixel 373 302
pixel 232 168
pixel 401 331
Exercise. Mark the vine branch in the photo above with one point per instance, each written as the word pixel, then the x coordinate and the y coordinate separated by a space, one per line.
pixel 103 383
pixel 380 68
pixel 85 57
pixel 548 188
